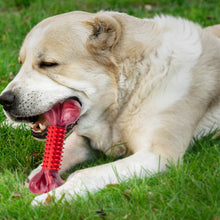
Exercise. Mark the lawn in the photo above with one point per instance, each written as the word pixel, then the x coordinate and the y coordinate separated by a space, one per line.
pixel 187 191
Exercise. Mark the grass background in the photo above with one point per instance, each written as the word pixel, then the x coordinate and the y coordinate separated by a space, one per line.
pixel 189 191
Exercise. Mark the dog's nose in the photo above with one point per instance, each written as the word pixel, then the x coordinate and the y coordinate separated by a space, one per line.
pixel 7 100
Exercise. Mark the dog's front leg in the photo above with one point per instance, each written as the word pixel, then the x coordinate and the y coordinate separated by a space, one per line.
pixel 93 179
pixel 76 151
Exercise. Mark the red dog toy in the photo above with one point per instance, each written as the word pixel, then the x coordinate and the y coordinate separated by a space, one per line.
pixel 59 117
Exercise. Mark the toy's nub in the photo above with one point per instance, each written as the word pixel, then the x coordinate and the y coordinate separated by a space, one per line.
pixel 53 148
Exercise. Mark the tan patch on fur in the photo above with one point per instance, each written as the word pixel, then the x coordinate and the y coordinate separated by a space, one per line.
pixel 48 199
pixel 215 29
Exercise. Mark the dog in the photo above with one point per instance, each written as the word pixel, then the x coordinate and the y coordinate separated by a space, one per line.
pixel 146 87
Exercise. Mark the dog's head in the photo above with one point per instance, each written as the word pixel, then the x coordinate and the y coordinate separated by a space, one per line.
pixel 69 56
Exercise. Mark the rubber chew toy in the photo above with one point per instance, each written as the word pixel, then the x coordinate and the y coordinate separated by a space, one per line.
pixel 59 117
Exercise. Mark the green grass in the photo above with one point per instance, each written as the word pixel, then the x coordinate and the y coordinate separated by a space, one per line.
pixel 189 191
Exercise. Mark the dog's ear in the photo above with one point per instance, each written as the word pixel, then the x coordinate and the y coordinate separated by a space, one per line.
pixel 105 34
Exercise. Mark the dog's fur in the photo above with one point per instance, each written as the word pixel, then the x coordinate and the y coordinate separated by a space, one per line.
pixel 147 87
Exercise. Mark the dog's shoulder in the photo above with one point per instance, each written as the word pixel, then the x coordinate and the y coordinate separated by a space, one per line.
pixel 182 37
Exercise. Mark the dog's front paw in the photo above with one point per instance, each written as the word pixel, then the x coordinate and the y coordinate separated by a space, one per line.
pixel 42 199
pixel 53 196
pixel 78 183
pixel 56 195
pixel 66 192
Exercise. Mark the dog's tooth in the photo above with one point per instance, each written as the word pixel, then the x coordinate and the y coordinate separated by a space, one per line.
pixel 42 127
pixel 31 125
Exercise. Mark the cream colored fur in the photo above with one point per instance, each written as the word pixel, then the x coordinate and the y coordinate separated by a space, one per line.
pixel 147 87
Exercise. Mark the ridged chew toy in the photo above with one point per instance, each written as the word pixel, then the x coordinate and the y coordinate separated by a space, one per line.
pixel 59 117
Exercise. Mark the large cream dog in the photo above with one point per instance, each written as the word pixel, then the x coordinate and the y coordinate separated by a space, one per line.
pixel 146 87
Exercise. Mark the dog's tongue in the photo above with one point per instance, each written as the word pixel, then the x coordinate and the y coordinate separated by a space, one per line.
pixel 63 114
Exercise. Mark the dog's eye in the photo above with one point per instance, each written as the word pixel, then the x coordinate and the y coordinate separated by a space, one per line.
pixel 44 64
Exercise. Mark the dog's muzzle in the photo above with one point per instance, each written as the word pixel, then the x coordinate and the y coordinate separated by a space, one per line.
pixel 38 123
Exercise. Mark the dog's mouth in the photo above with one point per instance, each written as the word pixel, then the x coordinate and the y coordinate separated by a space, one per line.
pixel 39 124
pixel 39 127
